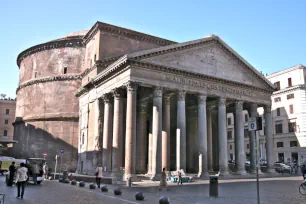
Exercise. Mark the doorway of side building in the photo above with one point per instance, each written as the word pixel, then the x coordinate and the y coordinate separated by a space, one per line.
pixel 294 157
pixel 281 157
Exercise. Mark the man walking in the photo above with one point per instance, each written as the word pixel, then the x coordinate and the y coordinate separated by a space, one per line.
pixel 179 180
pixel 21 178
pixel 45 169
pixel 12 170
pixel 35 171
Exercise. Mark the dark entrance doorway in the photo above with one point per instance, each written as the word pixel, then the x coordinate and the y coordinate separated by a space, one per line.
pixel 281 157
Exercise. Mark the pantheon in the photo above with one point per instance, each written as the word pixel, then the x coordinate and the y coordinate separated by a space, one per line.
pixel 147 103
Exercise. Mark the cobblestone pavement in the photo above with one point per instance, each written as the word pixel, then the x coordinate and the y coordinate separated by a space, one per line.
pixel 274 190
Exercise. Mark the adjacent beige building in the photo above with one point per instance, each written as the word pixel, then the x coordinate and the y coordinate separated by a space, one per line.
pixel 7 117
pixel 289 114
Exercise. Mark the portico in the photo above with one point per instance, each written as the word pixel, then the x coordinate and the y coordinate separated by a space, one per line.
pixel 166 108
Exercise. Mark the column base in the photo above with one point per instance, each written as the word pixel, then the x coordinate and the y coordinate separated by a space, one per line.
pixel 203 175
pixel 270 170
pixel 241 172
pixel 224 173
pixel 156 177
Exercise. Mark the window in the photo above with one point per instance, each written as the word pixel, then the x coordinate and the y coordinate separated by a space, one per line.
pixel 278 112
pixel 293 144
pixel 83 138
pixel 248 146
pixel 95 58
pixel 277 99
pixel 229 121
pixel 277 85
pixel 7 111
pixel 291 109
pixel 290 96
pixel 292 126
pixel 279 128
pixel 229 135
pixel 246 118
pixel 5 133
pixel 6 122
pixel 289 82
pixel 279 144
pixel 246 132
pixel 231 147
pixel 65 70
pixel 35 74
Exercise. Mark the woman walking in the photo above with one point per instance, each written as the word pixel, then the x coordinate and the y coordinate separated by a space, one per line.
pixel 163 180
pixel 21 178
pixel 98 176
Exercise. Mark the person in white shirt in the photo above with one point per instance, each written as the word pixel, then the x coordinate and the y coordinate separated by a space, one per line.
pixel 98 176
pixel 21 178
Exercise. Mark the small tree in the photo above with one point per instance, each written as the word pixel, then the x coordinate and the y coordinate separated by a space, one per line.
pixel 2 96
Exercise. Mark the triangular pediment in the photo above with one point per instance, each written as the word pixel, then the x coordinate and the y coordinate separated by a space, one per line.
pixel 212 59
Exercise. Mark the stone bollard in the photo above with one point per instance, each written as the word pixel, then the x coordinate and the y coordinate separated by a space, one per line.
pixel 104 188
pixel 92 186
pixel 82 184
pixel 117 191
pixel 66 181
pixel 213 186
pixel 139 196
pixel 164 200
pixel 65 174
pixel 73 182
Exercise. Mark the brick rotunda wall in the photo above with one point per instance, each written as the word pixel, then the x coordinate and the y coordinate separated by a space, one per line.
pixel 46 107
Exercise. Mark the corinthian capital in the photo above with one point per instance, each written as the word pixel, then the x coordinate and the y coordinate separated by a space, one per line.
pixel 239 105
pixel 131 86
pixel 221 101
pixel 167 100
pixel 181 95
pixel 117 93
pixel 202 99
pixel 267 108
pixel 157 92
pixel 143 106
pixel 107 97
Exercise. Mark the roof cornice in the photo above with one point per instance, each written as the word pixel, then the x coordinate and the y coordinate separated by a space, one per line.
pixel 49 79
pixel 289 89
pixel 126 33
pixel 299 66
pixel 75 41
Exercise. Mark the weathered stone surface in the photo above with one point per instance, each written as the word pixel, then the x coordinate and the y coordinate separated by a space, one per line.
pixel 92 186
pixel 164 200
pixel 104 188
pixel 117 191
pixel 139 196
pixel 82 184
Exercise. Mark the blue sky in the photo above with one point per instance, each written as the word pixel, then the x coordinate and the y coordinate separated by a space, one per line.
pixel 270 35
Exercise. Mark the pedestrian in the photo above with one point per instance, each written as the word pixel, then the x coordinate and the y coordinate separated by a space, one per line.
pixel 163 180
pixel 21 178
pixel 98 176
pixel 35 171
pixel 45 170
pixel 179 180
pixel 291 167
pixel 12 170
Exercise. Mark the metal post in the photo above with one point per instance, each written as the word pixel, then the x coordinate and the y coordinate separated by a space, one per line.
pixel 55 166
pixel 61 163
pixel 257 176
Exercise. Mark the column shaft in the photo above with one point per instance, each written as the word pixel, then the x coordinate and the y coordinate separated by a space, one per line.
pixel 150 148
pixel 117 147
pixel 202 138
pixel 142 137
pixel 130 134
pixel 166 134
pixel 239 138
pixel 269 137
pixel 107 132
pixel 181 132
pixel 223 161
pixel 209 141
pixel 157 133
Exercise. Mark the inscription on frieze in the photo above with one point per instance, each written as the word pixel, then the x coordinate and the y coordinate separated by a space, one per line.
pixel 210 87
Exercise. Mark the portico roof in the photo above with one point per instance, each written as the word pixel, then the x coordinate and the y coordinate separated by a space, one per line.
pixel 137 56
